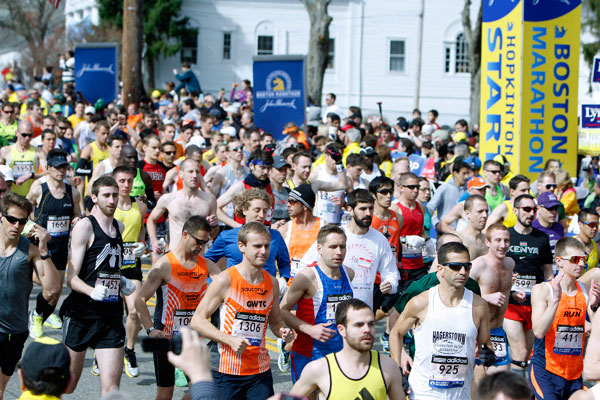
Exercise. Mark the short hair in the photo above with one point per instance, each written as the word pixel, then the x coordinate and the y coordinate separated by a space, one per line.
pixel 457 166
pixel 359 196
pixel 560 250
pixel 354 159
pixel 243 200
pixel 185 64
pixel 491 162
pixel 353 134
pixel 53 382
pixel 32 103
pixel 546 174
pixel 116 137
pixel 261 155
pixel 446 236
pixel 195 224
pixel 472 199
pixel 102 124
pixel 50 117
pixel 299 154
pixel 495 227
pixel 516 180
pixel 434 112
pixel 522 198
pixel 462 122
pixel 332 95
pixel 48 132
pixel 508 383
pixel 148 138
pixel 407 176
pixel 191 150
pixel 585 213
pixel 167 143
pixel 328 230
pixel 12 199
pixel 341 314
pixel 187 161
pixel 548 161
pixel 378 183
pixel 123 169
pixel 288 151
pixel 333 116
pixel 452 247
pixel 252 227
pixel 103 181
pixel 190 103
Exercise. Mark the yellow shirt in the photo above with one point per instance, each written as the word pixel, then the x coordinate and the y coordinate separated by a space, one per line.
pixel 350 149
pixel 371 385
pixel 22 164
pixel 511 217
pixel 27 395
pixel 75 120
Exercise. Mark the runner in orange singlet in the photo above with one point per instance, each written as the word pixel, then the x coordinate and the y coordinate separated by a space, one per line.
pixel 179 280
pixel 247 298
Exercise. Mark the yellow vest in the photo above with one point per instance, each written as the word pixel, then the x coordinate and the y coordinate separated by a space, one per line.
pixel 23 164
pixel 344 388
pixel 511 217
pixel 27 395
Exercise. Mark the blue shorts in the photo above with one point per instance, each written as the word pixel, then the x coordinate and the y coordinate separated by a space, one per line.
pixel 244 387
pixel 298 363
pixel 549 386
pixel 501 347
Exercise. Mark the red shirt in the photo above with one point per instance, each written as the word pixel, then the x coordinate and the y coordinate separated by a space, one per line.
pixel 412 225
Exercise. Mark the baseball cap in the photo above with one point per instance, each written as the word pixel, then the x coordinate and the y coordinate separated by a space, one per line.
pixel 56 108
pixel 476 183
pixel 156 94
pixel 474 162
pixel 90 110
pixel 58 159
pixel 229 130
pixel 305 195
pixel 367 151
pixel 7 172
pixel 197 141
pixel 548 200
pixel 279 162
pixel 45 352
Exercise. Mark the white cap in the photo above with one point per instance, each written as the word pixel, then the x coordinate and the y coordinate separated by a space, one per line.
pixel 229 130
pixel 197 141
pixel 90 110
pixel 7 172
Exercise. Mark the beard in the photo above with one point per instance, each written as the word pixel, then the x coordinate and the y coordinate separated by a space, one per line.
pixel 364 222
pixel 358 345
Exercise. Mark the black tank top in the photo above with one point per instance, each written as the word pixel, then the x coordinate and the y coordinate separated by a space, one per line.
pixel 15 288
pixel 101 265
pixel 55 215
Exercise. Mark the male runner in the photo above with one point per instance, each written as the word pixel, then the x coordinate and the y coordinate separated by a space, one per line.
pixel 130 212
pixel 547 213
pixel 546 182
pixel 247 299
pixel 23 159
pixel 496 191
pixel 94 152
pixel 329 204
pixel 142 182
pixel 115 145
pixel 588 229
pixel 448 321
pixel 591 364
pixel 530 250
pixel 181 205
pixel 356 371
pixel 317 292
pixel 19 258
pixel 559 310
pixel 93 311
pixel 504 212
pixel 233 172
pixel 179 280
pixel 476 211
pixel 56 207
pixel 301 162
pixel 455 219
pixel 493 272
pixel 173 181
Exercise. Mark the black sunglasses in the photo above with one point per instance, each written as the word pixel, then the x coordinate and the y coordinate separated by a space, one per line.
pixel 411 187
pixel 551 186
pixel 386 191
pixel 528 209
pixel 26 134
pixel 457 266
pixel 236 149
pixel 13 220
pixel 495 171
pixel 198 241
pixel 169 153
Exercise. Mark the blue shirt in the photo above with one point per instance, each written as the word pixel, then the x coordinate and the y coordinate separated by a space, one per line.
pixel 226 245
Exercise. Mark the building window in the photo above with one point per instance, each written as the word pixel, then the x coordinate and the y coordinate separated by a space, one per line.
pixel 456 55
pixel 264 45
pixel 397 55
pixel 331 54
pixel 189 48
pixel 226 45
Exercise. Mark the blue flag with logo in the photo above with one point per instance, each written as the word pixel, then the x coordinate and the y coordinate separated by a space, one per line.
pixel 279 94
pixel 96 71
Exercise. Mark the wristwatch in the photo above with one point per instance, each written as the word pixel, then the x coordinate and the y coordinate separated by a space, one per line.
pixel 47 256
pixel 150 330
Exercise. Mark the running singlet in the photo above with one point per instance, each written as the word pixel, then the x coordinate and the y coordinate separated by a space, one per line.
pixel 444 350
pixel 22 164
pixel 412 225
pixel 390 228
pixel 592 261
pixel 14 297
pixel 269 216
pixel 108 167
pixel 326 209
pixel 494 202
pixel 298 247
pixel 511 217
pixel 561 350
pixel 55 215
pixel 370 386
pixel 139 186
pixel 245 313
pixel 99 155
pixel 177 300
pixel 101 266
pixel 132 220
pixel 157 174
pixel 319 309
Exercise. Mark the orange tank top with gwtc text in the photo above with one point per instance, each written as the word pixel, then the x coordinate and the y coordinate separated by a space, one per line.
pixel 298 242
pixel 184 292
pixel 245 313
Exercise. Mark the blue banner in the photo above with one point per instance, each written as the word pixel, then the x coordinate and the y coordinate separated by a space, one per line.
pixel 279 94
pixel 590 116
pixel 596 70
pixel 96 71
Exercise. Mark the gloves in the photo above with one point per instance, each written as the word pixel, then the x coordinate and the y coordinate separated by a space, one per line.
pixel 100 293
pixel 487 356
pixel 127 287
pixel 430 250
pixel 139 248
pixel 414 241
pixel 282 286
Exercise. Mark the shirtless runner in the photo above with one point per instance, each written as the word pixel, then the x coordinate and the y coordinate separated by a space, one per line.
pixel 476 211
pixel 181 205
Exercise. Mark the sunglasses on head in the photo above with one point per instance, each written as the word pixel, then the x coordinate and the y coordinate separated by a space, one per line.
pixel 385 191
pixel 528 209
pixel 591 224
pixel 13 220
pixel 411 187
pixel 198 241
pixel 574 259
pixel 457 266
pixel 551 186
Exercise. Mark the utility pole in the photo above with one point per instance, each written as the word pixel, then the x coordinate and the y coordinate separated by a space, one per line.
pixel 419 54
pixel 131 70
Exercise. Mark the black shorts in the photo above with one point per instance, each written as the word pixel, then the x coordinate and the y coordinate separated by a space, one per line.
pixel 59 258
pixel 134 273
pixel 384 301
pixel 11 348
pixel 163 370
pixel 411 276
pixel 244 387
pixel 105 333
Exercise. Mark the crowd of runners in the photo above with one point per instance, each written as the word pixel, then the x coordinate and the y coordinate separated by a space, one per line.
pixel 485 282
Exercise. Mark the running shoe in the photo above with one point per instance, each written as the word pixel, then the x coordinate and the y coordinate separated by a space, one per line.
pixel 283 362
pixel 385 342
pixel 53 322
pixel 95 370
pixel 180 379
pixel 131 367
pixel 36 330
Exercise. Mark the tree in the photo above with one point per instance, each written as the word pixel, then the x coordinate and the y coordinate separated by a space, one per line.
pixel 473 37
pixel 163 28
pixel 590 21
pixel 318 47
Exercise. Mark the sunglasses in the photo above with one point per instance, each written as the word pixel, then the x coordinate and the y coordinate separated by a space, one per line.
pixel 495 171
pixel 13 220
pixel 555 208
pixel 8 112
pixel 26 134
pixel 457 266
pixel 293 201
pixel 236 149
pixel 528 209
pixel 62 128
pixel 592 225
pixel 411 187
pixel 169 153
pixel 385 192
pixel 574 259
pixel 198 241
pixel 551 186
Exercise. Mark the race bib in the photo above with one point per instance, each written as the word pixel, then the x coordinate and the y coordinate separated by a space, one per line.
pixel 21 168
pixel 182 318
pixel 58 226
pixel 333 301
pixel 569 340
pixel 499 345
pixel 447 372
pixel 112 282
pixel 249 326
pixel 128 257
pixel 524 283
pixel 296 267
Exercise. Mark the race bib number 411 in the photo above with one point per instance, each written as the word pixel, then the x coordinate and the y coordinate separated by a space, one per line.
pixel 569 340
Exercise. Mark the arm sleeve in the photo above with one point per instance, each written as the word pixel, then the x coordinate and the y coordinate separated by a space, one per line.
pixel 283 255
pixel 204 391
pixel 388 267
